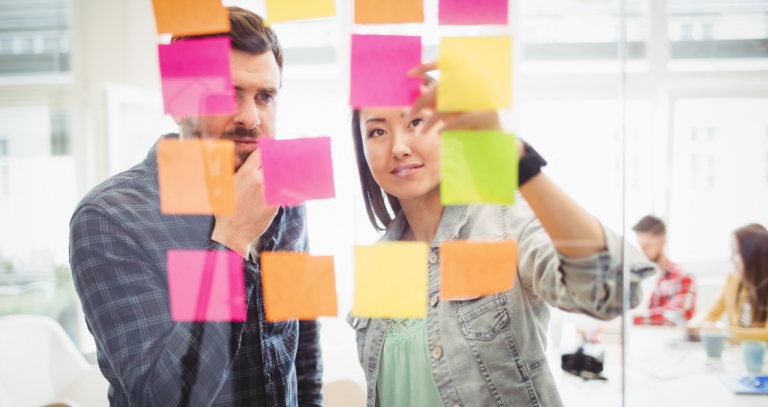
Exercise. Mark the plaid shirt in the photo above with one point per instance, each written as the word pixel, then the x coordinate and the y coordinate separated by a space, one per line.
pixel 118 244
pixel 675 291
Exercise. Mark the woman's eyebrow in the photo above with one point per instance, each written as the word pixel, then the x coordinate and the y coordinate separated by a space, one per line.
pixel 378 119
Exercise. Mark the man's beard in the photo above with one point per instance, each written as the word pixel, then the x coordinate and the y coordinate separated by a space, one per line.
pixel 190 128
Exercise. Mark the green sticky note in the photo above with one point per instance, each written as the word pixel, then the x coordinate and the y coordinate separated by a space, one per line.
pixel 476 74
pixel 391 280
pixel 478 167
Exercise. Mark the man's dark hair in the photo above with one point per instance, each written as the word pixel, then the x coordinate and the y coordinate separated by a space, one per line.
pixel 248 34
pixel 651 224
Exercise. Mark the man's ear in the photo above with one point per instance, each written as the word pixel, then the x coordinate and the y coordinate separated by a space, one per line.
pixel 176 120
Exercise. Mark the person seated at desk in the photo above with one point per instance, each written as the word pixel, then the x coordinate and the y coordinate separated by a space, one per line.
pixel 745 295
pixel 675 291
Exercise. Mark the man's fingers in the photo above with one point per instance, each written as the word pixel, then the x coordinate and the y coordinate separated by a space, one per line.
pixel 422 69
pixel 253 162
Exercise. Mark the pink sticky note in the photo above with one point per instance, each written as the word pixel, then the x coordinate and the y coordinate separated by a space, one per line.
pixel 206 285
pixel 380 65
pixel 196 77
pixel 472 12
pixel 297 170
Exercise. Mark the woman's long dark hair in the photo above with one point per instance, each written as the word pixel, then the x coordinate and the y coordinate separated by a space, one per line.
pixel 373 195
pixel 753 246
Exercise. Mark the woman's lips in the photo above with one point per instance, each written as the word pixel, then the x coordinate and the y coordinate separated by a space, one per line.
pixel 402 171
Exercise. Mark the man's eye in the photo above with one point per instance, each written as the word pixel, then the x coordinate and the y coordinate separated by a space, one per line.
pixel 415 122
pixel 377 132
pixel 263 97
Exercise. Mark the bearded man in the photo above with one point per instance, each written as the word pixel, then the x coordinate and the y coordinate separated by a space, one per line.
pixel 118 244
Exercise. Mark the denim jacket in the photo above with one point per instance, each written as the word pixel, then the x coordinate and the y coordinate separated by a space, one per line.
pixel 491 350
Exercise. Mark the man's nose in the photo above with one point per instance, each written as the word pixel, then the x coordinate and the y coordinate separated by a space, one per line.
pixel 247 115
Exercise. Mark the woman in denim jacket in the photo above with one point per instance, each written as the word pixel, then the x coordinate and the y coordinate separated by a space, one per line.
pixel 487 351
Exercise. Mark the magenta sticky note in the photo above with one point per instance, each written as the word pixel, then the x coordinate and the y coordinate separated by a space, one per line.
pixel 297 170
pixel 196 77
pixel 206 285
pixel 472 12
pixel 380 65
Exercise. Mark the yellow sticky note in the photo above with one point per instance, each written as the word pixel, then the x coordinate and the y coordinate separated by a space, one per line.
pixel 475 74
pixel 287 10
pixel 391 280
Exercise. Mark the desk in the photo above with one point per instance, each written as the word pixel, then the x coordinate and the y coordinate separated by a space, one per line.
pixel 661 372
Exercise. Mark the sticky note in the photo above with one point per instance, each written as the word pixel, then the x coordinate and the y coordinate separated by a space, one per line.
pixel 472 12
pixel 196 77
pixel 287 10
pixel 206 285
pixel 297 170
pixel 391 280
pixel 196 176
pixel 389 11
pixel 190 17
pixel 379 74
pixel 475 74
pixel 475 269
pixel 478 167
pixel 298 285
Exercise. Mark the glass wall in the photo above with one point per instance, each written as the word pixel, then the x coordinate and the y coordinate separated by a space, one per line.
pixel 677 130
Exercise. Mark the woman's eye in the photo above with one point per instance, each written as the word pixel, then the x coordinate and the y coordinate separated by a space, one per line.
pixel 377 132
pixel 415 122
pixel 263 97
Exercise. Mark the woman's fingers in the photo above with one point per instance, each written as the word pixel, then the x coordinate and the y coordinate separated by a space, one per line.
pixel 474 121
pixel 425 99
pixel 422 69
pixel 435 119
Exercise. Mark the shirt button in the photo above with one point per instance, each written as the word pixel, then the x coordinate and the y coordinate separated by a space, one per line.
pixel 437 352
pixel 433 300
pixel 432 258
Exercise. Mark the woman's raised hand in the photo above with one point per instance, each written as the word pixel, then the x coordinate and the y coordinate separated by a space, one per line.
pixel 451 120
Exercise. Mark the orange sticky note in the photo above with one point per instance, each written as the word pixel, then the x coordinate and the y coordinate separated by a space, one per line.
pixel 298 285
pixel 190 17
pixel 389 11
pixel 473 269
pixel 196 176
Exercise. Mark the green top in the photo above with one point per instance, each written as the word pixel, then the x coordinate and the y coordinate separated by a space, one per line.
pixel 405 375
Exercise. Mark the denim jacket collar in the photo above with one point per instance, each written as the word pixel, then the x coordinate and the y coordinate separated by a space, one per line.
pixel 453 218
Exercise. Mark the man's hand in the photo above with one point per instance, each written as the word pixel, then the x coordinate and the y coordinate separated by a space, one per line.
pixel 252 216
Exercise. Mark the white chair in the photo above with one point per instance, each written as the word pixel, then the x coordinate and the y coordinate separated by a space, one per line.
pixel 40 365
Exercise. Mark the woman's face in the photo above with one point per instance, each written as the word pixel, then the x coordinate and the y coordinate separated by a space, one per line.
pixel 404 164
pixel 736 257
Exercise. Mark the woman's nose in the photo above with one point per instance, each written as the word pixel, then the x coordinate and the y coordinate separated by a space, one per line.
pixel 401 149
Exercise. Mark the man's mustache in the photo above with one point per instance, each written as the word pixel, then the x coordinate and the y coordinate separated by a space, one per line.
pixel 235 134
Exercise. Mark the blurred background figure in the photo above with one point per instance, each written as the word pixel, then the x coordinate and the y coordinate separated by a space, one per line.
pixel 744 298
pixel 674 299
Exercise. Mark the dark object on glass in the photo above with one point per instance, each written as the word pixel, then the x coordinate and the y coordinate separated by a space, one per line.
pixel 529 165
pixel 585 361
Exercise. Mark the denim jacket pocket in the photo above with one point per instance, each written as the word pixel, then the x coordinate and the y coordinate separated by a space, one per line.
pixel 360 325
pixel 482 318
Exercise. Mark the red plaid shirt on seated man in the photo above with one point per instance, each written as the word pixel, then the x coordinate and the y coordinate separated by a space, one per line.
pixel 675 291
